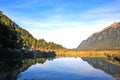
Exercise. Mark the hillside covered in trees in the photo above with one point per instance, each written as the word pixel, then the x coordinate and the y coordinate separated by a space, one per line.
pixel 13 36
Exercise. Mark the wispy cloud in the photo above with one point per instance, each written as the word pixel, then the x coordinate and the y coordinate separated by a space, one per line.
pixel 101 15
pixel 43 24
pixel 71 27
pixel 68 37
pixel 64 22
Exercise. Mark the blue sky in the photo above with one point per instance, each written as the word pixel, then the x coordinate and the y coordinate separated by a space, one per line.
pixel 65 22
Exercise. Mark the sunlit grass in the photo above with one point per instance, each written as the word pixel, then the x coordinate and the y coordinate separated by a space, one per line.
pixel 87 53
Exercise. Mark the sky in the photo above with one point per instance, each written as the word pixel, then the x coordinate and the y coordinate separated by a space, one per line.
pixel 66 22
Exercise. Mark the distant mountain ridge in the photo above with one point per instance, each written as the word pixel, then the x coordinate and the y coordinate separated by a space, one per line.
pixel 108 38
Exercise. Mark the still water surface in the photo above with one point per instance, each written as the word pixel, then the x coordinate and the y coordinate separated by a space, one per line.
pixel 70 69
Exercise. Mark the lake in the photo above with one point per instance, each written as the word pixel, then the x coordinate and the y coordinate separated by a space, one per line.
pixel 69 69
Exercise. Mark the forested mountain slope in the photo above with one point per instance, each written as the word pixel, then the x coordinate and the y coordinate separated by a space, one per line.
pixel 13 36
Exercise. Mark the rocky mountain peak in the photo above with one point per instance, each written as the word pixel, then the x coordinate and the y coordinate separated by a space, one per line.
pixel 115 24
pixel 108 38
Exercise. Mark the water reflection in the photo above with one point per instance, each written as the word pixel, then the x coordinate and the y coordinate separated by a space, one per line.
pixel 63 69
pixel 9 69
pixel 102 64
pixel 60 68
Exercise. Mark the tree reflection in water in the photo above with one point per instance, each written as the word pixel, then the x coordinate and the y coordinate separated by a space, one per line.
pixel 10 69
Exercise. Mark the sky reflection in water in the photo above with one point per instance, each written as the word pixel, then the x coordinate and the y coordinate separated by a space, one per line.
pixel 63 69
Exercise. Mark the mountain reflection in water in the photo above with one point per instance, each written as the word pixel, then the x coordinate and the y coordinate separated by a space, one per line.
pixel 102 64
pixel 60 68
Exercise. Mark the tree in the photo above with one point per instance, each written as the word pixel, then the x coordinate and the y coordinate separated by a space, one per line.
pixel 9 38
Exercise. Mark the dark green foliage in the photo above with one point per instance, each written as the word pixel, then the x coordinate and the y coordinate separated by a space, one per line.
pixel 42 44
pixel 9 38
pixel 38 54
pixel 13 36
pixel 11 54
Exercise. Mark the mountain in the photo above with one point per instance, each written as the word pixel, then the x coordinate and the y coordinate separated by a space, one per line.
pixel 108 38
pixel 13 36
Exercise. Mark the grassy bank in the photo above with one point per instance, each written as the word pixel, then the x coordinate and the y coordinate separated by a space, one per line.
pixel 86 53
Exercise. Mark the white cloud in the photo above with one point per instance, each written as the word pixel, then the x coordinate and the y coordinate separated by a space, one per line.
pixel 68 37
pixel 68 33
pixel 68 29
